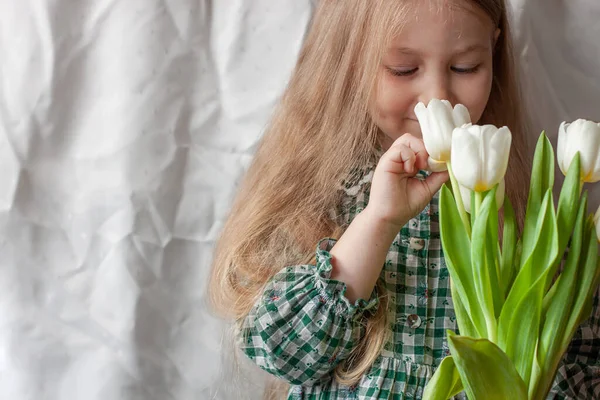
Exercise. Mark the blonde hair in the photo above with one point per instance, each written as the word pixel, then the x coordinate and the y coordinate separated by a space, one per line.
pixel 321 130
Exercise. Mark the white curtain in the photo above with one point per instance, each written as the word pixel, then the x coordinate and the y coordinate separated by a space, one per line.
pixel 124 129
pixel 558 48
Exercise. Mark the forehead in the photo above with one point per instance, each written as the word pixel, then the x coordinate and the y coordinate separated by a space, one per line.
pixel 444 25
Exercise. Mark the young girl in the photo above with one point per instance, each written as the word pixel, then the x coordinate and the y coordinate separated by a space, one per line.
pixel 366 315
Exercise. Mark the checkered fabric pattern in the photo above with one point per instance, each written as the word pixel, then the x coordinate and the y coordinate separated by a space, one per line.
pixel 303 326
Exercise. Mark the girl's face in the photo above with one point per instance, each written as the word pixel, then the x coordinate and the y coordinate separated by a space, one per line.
pixel 443 54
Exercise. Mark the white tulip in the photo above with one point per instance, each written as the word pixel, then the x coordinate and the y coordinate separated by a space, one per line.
pixel 480 155
pixel 437 121
pixel 581 136
pixel 597 223
pixel 436 166
pixel 465 193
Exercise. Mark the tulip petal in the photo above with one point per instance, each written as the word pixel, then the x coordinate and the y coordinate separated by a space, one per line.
pixel 441 124
pixel 572 138
pixel 596 167
pixel 465 156
pixel 498 151
pixel 588 146
pixel 461 115
pixel 561 147
pixel 465 193
pixel 421 114
pixel 429 139
pixel 500 193
pixel 436 166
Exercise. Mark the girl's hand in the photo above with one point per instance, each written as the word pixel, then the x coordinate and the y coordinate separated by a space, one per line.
pixel 396 196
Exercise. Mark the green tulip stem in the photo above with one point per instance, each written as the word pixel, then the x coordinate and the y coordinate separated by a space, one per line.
pixel 478 201
pixel 458 199
pixel 490 320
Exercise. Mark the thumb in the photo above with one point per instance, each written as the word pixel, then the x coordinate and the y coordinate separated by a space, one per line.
pixel 435 181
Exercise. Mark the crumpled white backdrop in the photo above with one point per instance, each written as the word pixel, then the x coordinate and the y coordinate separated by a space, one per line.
pixel 124 129
pixel 558 43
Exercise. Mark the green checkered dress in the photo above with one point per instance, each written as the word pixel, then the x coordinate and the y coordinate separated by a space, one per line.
pixel 303 326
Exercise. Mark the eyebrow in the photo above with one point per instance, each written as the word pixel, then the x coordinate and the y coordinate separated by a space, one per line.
pixel 472 48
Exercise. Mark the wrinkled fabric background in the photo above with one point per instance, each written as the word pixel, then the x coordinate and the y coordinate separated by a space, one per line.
pixel 125 127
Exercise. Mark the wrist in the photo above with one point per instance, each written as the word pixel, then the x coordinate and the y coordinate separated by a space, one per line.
pixel 389 228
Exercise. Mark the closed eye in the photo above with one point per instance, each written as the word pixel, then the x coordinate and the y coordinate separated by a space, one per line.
pixel 403 71
pixel 469 70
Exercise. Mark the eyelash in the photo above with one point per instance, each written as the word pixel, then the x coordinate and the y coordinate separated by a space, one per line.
pixel 454 69
pixel 402 73
pixel 465 70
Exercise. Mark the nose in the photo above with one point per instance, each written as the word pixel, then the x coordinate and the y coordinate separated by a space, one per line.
pixel 436 86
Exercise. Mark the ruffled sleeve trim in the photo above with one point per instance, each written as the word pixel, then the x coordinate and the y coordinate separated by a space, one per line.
pixel 335 289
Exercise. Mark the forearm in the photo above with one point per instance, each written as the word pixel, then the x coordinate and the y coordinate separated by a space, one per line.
pixel 302 326
pixel 360 254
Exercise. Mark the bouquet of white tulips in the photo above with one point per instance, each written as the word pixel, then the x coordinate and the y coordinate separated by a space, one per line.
pixel 515 316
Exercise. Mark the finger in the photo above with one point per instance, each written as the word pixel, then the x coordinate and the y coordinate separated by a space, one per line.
pixel 411 141
pixel 417 146
pixel 403 158
pixel 435 181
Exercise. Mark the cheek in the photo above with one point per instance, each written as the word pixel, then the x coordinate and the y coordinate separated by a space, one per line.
pixel 475 95
pixel 391 102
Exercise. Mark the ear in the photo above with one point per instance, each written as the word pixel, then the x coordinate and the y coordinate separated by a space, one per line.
pixel 496 35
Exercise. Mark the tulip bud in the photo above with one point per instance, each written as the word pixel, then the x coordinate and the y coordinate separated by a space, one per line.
pixel 584 137
pixel 437 121
pixel 480 155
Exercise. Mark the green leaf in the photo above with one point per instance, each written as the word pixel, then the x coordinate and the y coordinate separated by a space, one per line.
pixel 492 254
pixel 457 252
pixel 542 180
pixel 568 205
pixel 484 260
pixel 538 377
pixel 559 306
pixel 445 382
pixel 463 320
pixel 587 280
pixel 485 370
pixel 519 323
pixel 521 337
pixel 557 311
pixel 509 245
pixel 544 244
pixel 586 283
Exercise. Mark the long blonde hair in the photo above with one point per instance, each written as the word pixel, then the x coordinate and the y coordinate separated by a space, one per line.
pixel 321 130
